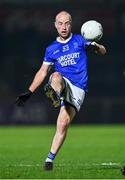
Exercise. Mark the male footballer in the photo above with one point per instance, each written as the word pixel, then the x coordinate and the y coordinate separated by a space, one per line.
pixel 68 84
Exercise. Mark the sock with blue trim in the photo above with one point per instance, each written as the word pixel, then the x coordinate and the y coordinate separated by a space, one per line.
pixel 50 157
pixel 61 98
pixel 62 101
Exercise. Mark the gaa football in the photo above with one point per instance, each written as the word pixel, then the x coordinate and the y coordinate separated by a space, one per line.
pixel 92 30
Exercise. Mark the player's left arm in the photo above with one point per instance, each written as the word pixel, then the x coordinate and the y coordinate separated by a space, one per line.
pixel 99 48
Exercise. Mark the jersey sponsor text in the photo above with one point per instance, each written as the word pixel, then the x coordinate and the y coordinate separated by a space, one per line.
pixel 68 59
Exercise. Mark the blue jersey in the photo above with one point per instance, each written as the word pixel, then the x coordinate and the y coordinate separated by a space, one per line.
pixel 69 59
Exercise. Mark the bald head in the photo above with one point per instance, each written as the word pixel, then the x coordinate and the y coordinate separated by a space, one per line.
pixel 62 14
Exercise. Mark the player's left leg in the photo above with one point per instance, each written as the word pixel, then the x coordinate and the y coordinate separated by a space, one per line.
pixel 65 117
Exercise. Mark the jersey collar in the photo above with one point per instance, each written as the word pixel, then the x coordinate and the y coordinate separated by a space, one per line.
pixel 58 39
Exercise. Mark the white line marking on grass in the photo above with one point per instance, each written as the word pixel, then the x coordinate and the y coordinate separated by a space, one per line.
pixel 26 165
pixel 110 164
pixel 84 165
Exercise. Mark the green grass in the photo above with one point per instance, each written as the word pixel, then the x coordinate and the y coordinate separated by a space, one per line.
pixel 88 152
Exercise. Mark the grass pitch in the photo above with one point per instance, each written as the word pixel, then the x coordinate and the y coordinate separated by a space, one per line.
pixel 89 152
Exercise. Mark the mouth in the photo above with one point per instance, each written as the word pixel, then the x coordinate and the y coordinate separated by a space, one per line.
pixel 64 32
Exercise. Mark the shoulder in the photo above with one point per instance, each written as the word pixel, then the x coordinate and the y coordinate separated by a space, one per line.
pixel 52 46
pixel 79 38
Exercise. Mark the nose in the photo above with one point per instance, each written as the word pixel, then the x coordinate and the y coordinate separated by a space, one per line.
pixel 64 26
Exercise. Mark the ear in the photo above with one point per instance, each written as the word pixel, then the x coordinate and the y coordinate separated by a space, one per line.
pixel 55 24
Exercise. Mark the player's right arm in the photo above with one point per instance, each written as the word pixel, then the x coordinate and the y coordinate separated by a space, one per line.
pixel 37 81
pixel 39 77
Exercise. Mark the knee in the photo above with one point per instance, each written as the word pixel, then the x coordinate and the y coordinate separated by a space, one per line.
pixel 56 76
pixel 63 125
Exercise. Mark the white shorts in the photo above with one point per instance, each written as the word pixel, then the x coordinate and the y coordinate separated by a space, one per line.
pixel 73 95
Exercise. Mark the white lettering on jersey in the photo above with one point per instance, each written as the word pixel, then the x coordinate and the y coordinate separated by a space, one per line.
pixel 68 59
pixel 65 48
pixel 55 52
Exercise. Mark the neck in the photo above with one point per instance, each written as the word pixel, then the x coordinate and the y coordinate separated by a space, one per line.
pixel 64 38
pixel 61 39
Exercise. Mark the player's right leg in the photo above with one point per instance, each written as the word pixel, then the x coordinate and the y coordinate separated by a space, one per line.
pixel 65 117
pixel 54 88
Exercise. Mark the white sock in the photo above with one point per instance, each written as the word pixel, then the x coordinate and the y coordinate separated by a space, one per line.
pixel 48 160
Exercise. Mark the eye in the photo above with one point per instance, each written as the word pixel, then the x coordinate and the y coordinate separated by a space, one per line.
pixel 68 23
pixel 59 23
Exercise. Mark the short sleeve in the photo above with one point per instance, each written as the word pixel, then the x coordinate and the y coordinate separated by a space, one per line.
pixel 48 57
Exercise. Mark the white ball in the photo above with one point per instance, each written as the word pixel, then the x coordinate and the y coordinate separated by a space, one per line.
pixel 92 30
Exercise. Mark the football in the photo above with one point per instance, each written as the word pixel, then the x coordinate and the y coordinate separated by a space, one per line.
pixel 92 30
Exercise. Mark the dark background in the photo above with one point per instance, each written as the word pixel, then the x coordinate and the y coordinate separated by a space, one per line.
pixel 27 27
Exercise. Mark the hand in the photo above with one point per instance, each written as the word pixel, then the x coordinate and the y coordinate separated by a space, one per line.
pixel 92 46
pixel 22 98
pixel 100 49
